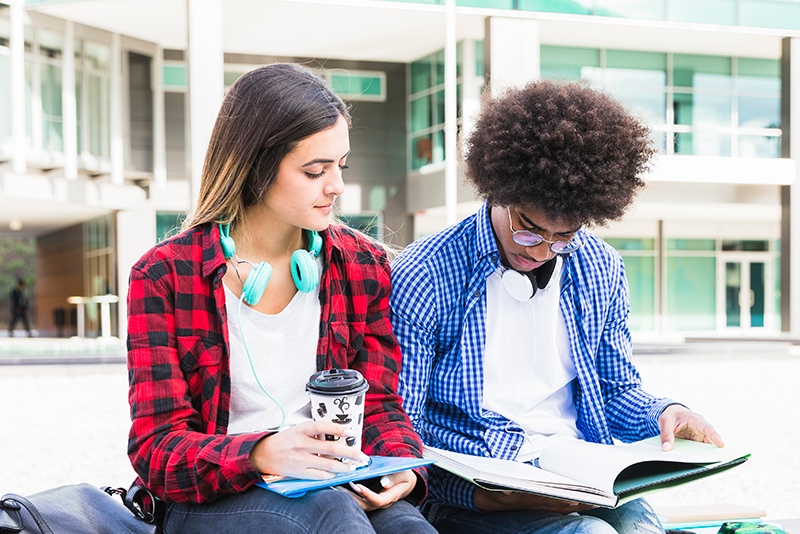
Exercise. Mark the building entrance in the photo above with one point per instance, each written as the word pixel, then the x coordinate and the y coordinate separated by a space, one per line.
pixel 744 303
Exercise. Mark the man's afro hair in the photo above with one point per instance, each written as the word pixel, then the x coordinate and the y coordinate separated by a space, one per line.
pixel 562 147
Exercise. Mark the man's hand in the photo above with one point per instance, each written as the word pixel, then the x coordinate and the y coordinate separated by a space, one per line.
pixel 501 501
pixel 678 421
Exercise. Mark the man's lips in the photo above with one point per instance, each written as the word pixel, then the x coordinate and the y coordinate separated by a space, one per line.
pixel 526 263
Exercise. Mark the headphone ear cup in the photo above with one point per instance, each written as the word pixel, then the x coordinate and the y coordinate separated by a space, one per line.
pixel 256 283
pixel 521 286
pixel 228 247
pixel 304 271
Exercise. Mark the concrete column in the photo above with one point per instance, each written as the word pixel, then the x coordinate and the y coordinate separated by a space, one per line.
pixel 69 108
pixel 450 115
pixel 115 118
pixel 136 233
pixel 790 194
pixel 512 53
pixel 19 161
pixel 159 121
pixel 206 79
pixel 470 88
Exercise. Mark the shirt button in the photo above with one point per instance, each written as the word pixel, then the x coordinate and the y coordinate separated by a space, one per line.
pixel 513 447
pixel 476 293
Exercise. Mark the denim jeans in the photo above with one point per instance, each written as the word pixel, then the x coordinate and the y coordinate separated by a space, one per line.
pixel 635 517
pixel 326 511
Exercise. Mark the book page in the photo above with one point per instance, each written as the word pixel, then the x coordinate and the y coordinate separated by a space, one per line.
pixel 599 465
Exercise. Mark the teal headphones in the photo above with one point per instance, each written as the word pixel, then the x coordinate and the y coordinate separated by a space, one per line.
pixel 304 266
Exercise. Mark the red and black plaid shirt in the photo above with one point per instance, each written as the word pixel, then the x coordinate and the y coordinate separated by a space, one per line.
pixel 179 371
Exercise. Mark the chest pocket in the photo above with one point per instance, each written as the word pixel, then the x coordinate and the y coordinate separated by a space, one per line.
pixel 346 342
pixel 198 352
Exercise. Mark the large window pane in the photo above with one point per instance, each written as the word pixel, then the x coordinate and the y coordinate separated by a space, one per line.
pixel 52 132
pixel 635 9
pixel 759 112
pixel 420 113
pixel 701 72
pixel 568 63
pixel 691 293
pixel 623 244
pixel 579 7
pixel 766 14
pixel 642 69
pixel 759 146
pixel 640 271
pixel 702 144
pixel 758 75
pixel 704 111
pixel 650 106
pixel 702 11
pixel 692 244
pixel 421 75
pixel 421 151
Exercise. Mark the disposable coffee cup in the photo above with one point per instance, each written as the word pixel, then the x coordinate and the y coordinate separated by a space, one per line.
pixel 338 395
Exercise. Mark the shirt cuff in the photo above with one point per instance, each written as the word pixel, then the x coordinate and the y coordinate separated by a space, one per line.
pixel 451 489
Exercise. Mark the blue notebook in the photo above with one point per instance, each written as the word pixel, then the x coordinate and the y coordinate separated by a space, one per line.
pixel 380 465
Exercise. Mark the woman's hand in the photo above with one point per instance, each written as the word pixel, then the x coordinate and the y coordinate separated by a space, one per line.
pixel 396 486
pixel 296 452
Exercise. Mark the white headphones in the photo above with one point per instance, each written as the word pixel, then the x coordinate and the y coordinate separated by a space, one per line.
pixel 523 286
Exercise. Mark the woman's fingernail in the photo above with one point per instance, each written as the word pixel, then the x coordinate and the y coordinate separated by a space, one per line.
pixel 365 459
pixel 355 488
pixel 386 482
pixel 350 433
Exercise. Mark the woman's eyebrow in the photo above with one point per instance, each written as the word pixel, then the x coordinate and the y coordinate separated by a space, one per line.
pixel 533 226
pixel 317 161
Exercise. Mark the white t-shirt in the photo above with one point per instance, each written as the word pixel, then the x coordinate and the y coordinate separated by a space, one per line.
pixel 528 368
pixel 283 348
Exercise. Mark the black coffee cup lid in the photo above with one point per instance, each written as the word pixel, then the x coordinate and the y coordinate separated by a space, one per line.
pixel 335 381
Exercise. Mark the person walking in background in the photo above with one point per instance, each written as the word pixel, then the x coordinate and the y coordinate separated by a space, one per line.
pixel 19 309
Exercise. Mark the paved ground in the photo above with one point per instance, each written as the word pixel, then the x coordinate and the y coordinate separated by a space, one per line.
pixel 65 424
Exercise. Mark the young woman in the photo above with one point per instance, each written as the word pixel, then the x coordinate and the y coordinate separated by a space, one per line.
pixel 228 320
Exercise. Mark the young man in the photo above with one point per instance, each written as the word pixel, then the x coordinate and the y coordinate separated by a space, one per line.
pixel 19 308
pixel 514 322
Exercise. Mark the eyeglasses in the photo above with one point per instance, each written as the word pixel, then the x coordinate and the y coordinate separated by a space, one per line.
pixel 531 239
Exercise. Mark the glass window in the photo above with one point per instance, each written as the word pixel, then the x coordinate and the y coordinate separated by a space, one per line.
pixel 628 68
pixel 568 63
pixel 759 111
pixel 766 14
pixel 702 144
pixel 578 7
pixel 359 85
pixel 640 272
pixel 420 113
pixel 748 245
pixel 438 146
pixel 51 45
pixel 759 146
pixel 706 11
pixel 624 244
pixel 494 4
pixel 635 9
pixel 703 110
pixel 650 106
pixel 758 75
pixel 692 244
pixel 421 77
pixel 438 59
pixel 479 58
pixel 439 107
pixel 168 223
pixel 175 77
pixel 421 151
pixel 701 72
pixel 691 293
pixel 98 56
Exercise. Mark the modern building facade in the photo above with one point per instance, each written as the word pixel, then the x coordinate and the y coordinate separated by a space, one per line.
pixel 105 109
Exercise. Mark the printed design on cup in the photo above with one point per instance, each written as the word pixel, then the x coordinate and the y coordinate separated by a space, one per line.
pixel 337 395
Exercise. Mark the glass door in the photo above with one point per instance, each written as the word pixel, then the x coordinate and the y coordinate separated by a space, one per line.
pixel 745 296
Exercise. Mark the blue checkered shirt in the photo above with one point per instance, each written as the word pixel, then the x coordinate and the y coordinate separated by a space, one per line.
pixel 439 318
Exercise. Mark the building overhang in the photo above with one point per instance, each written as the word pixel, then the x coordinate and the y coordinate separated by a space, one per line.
pixel 372 30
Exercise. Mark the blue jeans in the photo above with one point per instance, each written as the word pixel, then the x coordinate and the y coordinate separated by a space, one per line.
pixel 326 511
pixel 635 517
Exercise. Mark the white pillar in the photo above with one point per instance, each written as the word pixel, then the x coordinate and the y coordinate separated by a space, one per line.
pixel 470 88
pixel 450 114
pixel 513 55
pixel 19 161
pixel 790 195
pixel 206 79
pixel 69 108
pixel 159 121
pixel 136 233
pixel 115 119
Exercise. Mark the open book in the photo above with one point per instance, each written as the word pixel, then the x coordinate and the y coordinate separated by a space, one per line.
pixel 591 473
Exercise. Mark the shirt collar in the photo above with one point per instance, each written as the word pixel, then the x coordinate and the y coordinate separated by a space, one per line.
pixel 487 244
